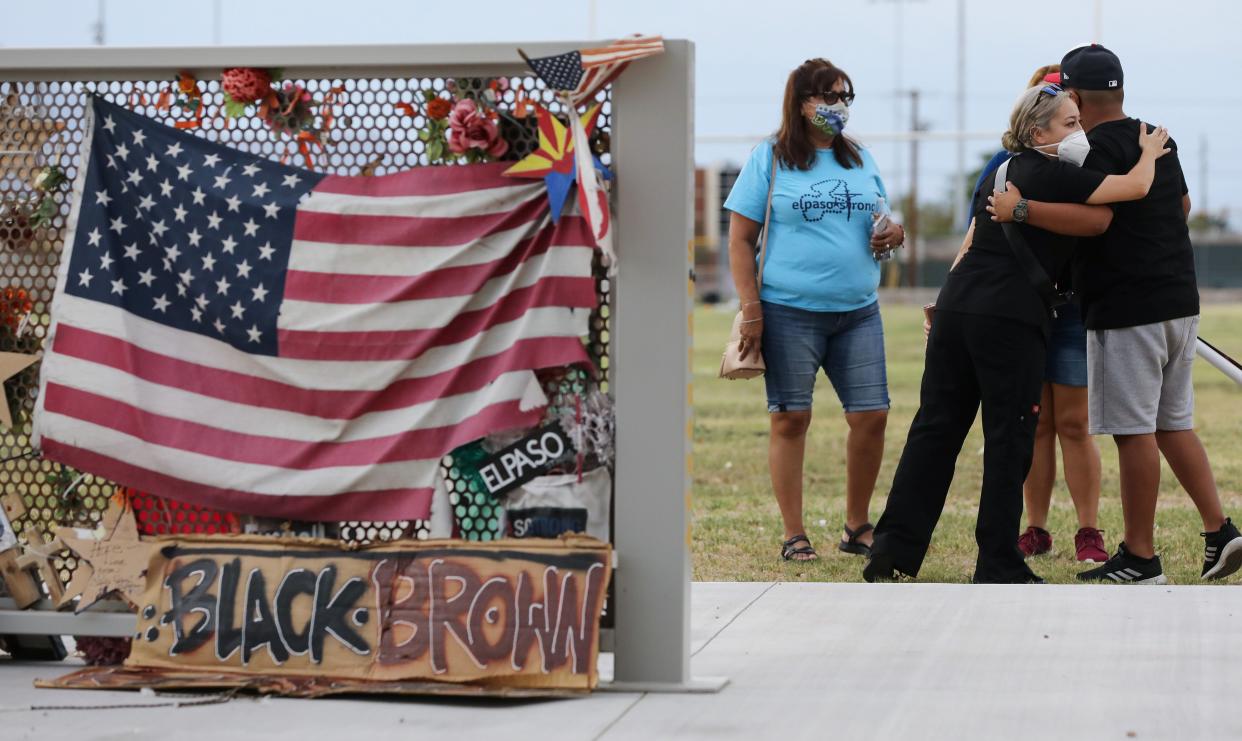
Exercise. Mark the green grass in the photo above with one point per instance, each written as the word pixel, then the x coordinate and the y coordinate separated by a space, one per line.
pixel 737 528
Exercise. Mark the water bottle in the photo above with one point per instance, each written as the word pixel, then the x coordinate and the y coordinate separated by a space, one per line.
pixel 881 223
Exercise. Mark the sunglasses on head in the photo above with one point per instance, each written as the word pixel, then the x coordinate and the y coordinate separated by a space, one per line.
pixel 1052 89
pixel 832 97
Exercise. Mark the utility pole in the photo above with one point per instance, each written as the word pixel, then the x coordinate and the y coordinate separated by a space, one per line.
pixel 1099 21
pixel 912 198
pixel 898 46
pixel 897 81
pixel 216 14
pixel 100 32
pixel 1203 175
pixel 959 181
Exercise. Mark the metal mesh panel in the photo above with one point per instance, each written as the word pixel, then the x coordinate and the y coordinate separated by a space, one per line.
pixel 156 515
pixel 42 125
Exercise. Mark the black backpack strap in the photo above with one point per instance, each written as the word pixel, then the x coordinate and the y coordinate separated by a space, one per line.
pixel 1035 273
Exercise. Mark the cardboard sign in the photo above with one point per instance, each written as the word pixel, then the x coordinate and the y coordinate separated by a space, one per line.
pixel 524 460
pixel 510 613
pixel 113 564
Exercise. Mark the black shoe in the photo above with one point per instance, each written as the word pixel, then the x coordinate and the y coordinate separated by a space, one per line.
pixel 880 567
pixel 1222 552
pixel 1127 568
pixel 1024 579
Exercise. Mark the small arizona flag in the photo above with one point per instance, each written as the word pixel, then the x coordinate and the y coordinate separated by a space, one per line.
pixel 555 159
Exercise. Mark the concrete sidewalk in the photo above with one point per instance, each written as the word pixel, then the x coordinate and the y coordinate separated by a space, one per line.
pixel 814 661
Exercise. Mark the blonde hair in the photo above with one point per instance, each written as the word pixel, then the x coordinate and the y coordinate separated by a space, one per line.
pixel 1037 77
pixel 1034 110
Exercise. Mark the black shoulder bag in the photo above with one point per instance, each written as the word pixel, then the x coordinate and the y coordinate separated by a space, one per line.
pixel 1035 273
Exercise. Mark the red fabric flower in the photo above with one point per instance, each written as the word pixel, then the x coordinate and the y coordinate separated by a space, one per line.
pixel 470 128
pixel 439 108
pixel 246 84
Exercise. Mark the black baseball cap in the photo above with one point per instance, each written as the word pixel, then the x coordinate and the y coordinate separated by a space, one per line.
pixel 1091 67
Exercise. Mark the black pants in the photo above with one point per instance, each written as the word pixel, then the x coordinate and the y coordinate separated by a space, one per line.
pixel 971 359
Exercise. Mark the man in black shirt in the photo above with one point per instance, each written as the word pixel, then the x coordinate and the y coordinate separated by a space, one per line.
pixel 1141 309
pixel 986 349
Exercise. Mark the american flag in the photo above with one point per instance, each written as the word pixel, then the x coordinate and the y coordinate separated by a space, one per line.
pixel 582 74
pixel 244 335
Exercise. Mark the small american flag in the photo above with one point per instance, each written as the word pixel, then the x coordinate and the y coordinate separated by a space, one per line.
pixel 579 76
pixel 582 74
pixel 259 338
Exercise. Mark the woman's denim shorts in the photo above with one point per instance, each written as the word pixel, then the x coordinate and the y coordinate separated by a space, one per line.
pixel 848 345
pixel 1067 348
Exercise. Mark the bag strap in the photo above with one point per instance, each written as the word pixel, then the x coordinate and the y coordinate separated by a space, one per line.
pixel 767 214
pixel 1035 273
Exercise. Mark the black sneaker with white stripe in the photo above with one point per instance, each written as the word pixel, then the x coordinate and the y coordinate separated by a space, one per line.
pixel 1222 551
pixel 1126 568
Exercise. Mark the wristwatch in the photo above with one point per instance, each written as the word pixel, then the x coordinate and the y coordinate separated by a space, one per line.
pixel 1019 211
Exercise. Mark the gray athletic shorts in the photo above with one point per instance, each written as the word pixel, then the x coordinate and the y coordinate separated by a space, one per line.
pixel 1138 378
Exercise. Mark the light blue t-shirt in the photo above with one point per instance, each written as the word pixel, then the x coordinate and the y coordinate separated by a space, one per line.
pixel 819 251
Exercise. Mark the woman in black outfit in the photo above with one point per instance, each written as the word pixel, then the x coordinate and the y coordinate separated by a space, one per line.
pixel 987 346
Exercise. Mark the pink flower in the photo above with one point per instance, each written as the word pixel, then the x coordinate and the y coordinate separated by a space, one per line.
pixel 470 128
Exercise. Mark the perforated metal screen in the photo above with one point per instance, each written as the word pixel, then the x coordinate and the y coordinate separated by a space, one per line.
pixel 42 125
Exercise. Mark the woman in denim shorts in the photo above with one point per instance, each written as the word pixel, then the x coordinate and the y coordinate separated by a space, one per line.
pixel 817 306
pixel 1064 418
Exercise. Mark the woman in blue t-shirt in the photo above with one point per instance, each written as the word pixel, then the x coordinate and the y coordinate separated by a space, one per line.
pixel 814 304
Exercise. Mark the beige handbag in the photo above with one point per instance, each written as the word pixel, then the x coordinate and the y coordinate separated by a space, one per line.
pixel 732 366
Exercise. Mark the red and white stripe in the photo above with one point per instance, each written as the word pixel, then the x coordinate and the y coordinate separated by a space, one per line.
pixel 415 309
pixel 603 65
pixel 623 50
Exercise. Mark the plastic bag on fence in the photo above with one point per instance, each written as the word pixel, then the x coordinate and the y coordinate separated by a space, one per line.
pixel 441 518
pixel 551 505
pixel 8 538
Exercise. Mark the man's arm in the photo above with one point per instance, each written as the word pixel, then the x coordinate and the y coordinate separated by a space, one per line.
pixel 1186 204
pixel 1072 219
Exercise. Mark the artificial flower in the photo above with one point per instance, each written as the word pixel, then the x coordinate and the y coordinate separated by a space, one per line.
pixel 471 129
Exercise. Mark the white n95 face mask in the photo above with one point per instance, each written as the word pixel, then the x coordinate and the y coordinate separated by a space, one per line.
pixel 1072 149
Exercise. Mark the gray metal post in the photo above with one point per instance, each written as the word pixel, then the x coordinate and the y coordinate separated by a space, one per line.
pixel 652 143
pixel 653 107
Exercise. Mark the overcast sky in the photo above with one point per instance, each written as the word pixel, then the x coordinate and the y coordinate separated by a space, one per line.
pixel 1182 59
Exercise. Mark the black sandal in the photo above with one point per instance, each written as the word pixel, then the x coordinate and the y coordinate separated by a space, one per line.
pixel 788 551
pixel 851 544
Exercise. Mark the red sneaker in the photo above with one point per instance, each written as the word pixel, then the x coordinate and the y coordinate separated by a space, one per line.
pixel 1089 545
pixel 1035 541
